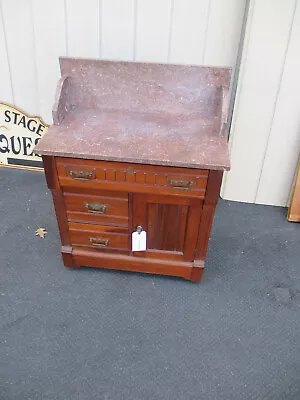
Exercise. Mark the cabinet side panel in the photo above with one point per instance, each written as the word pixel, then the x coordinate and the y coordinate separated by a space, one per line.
pixel 58 199
pixel 191 234
pixel 210 202
pixel 50 172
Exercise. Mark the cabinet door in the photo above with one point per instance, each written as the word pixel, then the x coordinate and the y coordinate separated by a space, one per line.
pixel 171 223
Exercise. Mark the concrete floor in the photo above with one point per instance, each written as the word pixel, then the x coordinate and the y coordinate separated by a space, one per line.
pixel 99 334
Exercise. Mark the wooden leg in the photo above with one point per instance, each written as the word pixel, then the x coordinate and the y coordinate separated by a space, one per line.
pixel 196 273
pixel 67 256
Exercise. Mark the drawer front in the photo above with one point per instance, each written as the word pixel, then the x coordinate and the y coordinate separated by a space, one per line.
pixel 99 237
pixel 131 177
pixel 100 207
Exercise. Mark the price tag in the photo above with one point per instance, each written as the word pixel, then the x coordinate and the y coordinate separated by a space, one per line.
pixel 139 241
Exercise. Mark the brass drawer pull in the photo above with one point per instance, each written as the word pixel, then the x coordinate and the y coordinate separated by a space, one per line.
pixel 81 175
pixel 181 184
pixel 99 242
pixel 96 208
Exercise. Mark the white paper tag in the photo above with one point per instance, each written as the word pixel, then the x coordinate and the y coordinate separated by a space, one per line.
pixel 139 241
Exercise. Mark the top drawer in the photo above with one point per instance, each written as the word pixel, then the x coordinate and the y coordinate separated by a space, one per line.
pixel 131 177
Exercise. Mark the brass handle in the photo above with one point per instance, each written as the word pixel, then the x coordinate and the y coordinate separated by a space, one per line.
pixel 81 175
pixel 100 242
pixel 96 208
pixel 181 184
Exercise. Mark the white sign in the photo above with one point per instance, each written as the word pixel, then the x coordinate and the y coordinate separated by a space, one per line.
pixel 139 241
pixel 19 133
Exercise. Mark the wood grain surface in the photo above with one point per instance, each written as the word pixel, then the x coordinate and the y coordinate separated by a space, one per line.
pixel 294 209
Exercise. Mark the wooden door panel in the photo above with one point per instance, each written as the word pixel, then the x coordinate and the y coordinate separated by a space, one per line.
pixel 171 225
pixel 166 226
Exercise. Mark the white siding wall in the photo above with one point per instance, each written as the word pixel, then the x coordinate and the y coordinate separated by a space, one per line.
pixel 265 134
pixel 33 33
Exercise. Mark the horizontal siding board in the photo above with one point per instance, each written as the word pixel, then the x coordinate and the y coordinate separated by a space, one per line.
pixel 283 149
pixel 118 20
pixel 224 32
pixel 50 43
pixel 262 64
pixel 6 93
pixel 83 28
pixel 153 30
pixel 21 53
pixel 188 33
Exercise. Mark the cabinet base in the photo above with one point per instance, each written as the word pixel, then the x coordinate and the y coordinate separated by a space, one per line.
pixel 83 257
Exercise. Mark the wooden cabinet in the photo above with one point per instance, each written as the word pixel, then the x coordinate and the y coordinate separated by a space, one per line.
pixel 113 172
pixel 96 224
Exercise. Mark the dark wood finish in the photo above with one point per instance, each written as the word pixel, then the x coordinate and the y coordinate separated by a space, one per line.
pixel 153 158
pixel 90 174
pixel 170 225
pixel 101 237
pixel 67 256
pixel 294 208
pixel 210 202
pixel 89 258
pixel 170 222
pixel 166 226
pixel 51 172
pixel 196 273
pixel 59 207
pixel 97 209
pixel 61 215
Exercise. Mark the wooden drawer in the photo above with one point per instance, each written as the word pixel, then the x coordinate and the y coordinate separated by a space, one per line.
pixel 98 207
pixel 131 177
pixel 98 236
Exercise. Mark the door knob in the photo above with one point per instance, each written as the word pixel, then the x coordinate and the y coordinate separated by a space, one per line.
pixel 139 229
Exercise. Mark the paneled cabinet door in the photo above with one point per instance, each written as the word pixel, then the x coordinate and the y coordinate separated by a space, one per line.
pixel 171 224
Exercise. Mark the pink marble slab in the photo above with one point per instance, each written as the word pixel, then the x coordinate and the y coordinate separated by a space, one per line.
pixel 157 114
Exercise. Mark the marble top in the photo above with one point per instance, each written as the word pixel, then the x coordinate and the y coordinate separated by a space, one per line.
pixel 140 113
